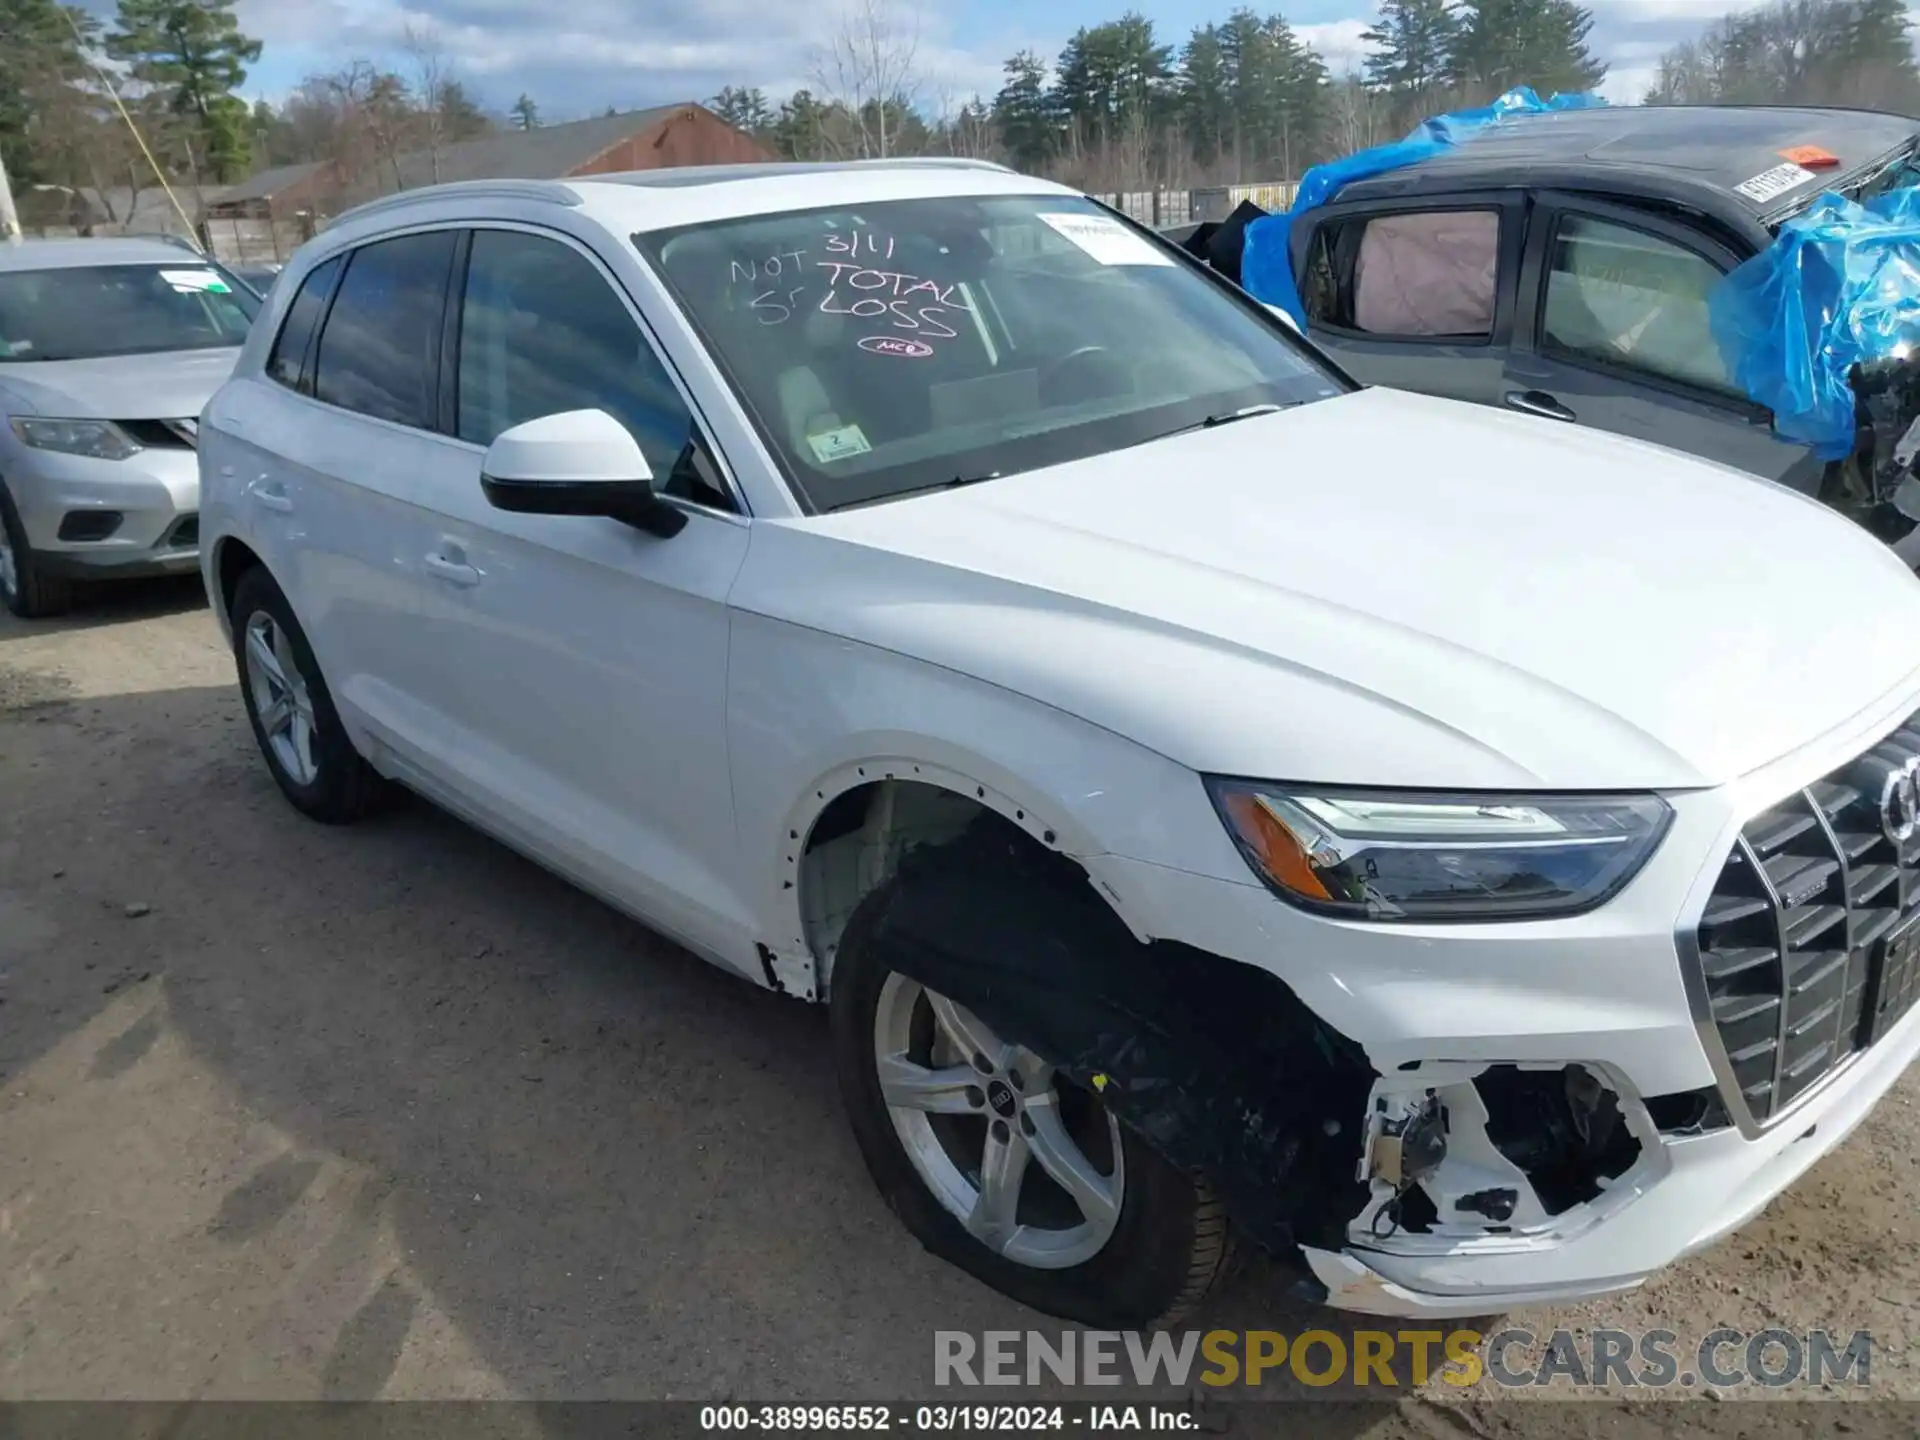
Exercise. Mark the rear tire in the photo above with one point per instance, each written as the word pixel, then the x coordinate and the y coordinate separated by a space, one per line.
pixel 294 721
pixel 29 591
pixel 1151 1264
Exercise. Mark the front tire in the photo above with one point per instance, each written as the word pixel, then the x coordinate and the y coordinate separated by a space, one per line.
pixel 1002 1166
pixel 292 713
pixel 26 587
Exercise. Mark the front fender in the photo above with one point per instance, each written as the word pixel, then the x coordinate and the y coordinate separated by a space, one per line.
pixel 811 716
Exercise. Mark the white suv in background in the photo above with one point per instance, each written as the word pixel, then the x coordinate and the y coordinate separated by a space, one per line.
pixel 1478 857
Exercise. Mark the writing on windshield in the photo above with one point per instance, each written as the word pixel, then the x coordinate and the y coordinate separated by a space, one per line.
pixel 850 273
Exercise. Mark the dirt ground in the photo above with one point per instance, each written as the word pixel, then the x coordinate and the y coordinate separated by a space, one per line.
pixel 297 1112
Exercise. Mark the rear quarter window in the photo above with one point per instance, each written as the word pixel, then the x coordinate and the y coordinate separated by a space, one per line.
pixel 287 363
pixel 1411 274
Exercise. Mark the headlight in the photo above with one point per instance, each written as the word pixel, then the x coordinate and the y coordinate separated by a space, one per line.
pixel 99 439
pixel 1375 855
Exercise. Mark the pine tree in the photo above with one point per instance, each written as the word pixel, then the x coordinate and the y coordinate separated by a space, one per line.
pixel 1244 43
pixel 1541 43
pixel 460 118
pixel 1876 54
pixel 1807 52
pixel 1112 75
pixel 1414 43
pixel 1302 108
pixel 1205 103
pixel 192 54
pixel 807 128
pixel 41 71
pixel 1021 110
pixel 744 109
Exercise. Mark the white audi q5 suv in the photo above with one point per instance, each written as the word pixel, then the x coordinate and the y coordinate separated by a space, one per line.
pixel 1474 857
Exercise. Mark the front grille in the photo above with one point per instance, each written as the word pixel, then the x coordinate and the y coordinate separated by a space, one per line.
pixel 1807 942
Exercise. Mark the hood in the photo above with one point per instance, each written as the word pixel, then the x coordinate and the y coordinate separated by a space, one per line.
pixel 171 385
pixel 1386 589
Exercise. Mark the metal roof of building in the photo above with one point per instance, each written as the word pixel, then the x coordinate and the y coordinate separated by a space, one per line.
pixel 547 152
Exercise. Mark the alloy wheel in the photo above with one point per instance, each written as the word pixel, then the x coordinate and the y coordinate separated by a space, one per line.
pixel 1030 1165
pixel 281 699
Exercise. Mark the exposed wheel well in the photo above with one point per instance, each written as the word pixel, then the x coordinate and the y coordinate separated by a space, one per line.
pixel 233 561
pixel 856 843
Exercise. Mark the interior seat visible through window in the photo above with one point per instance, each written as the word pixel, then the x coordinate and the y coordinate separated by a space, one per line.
pixel 1630 298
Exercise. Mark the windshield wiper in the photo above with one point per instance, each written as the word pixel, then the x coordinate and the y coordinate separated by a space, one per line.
pixel 1225 417
pixel 954 484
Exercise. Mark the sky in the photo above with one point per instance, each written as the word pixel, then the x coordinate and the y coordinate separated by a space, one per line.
pixel 576 57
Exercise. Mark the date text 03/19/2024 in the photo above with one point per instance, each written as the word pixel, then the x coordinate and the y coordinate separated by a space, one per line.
pixel 944 1419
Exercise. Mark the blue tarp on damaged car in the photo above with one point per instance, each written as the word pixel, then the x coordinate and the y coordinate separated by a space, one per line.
pixel 1839 285
pixel 1265 269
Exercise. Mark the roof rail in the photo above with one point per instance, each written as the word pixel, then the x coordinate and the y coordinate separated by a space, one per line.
pixel 938 162
pixel 759 170
pixel 550 191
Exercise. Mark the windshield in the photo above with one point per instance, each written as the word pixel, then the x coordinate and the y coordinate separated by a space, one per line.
pixel 88 312
pixel 914 344
pixel 1900 174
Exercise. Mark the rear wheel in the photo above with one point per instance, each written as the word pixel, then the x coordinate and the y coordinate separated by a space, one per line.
pixel 29 591
pixel 294 721
pixel 1001 1165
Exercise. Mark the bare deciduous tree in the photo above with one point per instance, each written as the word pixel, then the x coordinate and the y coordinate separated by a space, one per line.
pixel 871 68
pixel 429 56
pixel 376 122
pixel 1358 112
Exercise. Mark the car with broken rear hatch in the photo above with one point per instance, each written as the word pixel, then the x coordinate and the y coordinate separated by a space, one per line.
pixel 108 349
pixel 1561 265
pixel 1212 800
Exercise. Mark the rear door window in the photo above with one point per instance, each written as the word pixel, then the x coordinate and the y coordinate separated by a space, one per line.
pixel 380 352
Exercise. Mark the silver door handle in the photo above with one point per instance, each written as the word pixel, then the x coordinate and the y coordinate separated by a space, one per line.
pixel 454 572
pixel 1538 402
pixel 271 499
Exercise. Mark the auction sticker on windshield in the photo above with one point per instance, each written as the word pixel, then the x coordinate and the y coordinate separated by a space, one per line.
pixel 1107 241
pixel 187 282
pixel 1771 184
pixel 841 444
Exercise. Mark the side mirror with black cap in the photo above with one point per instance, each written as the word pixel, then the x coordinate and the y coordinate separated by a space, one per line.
pixel 579 462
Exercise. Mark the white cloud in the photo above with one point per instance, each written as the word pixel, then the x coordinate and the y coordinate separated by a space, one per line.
pixel 1338 42
pixel 575 57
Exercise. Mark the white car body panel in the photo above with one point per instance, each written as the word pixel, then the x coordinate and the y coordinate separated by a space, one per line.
pixel 1431 648
pixel 1381 589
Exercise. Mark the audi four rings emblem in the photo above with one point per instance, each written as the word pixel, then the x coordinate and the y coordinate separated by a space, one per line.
pixel 1900 801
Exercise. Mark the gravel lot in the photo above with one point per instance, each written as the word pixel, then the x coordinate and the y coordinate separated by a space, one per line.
pixel 295 1112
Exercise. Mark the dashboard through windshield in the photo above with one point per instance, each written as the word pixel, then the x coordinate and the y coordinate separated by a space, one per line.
pixel 94 311
pixel 914 344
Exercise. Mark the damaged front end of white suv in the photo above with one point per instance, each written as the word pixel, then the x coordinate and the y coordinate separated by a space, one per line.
pixel 1594 924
